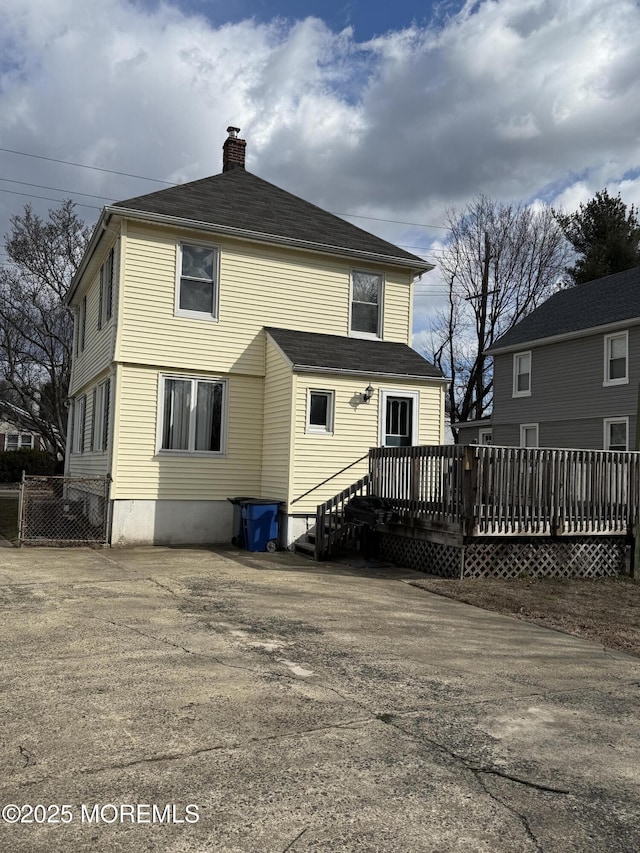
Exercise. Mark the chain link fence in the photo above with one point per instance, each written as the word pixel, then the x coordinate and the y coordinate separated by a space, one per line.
pixel 63 510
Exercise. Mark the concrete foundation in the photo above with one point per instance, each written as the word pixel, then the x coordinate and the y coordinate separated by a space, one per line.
pixel 138 522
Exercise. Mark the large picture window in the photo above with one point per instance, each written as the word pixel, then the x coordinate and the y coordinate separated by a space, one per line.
pixel 192 415
pixel 197 281
pixel 366 304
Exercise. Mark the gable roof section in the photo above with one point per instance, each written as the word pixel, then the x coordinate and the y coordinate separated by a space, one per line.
pixel 601 302
pixel 238 201
pixel 314 352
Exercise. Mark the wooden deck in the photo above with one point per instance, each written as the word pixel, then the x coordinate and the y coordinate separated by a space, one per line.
pixel 480 491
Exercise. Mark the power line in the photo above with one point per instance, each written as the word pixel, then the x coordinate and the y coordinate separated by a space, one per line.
pixel 56 189
pixel 172 184
pixel 47 198
pixel 84 166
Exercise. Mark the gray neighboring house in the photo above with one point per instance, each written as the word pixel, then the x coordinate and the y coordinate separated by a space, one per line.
pixel 479 431
pixel 568 374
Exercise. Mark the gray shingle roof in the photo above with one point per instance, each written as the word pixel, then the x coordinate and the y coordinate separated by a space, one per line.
pixel 239 199
pixel 611 299
pixel 335 353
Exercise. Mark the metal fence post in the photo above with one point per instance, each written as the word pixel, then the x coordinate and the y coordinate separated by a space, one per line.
pixel 20 510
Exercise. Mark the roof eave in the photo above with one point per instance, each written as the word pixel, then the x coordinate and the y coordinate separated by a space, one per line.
pixel 418 265
pixel 309 368
pixel 100 226
pixel 565 336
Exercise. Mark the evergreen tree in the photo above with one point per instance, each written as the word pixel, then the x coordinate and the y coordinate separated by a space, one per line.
pixel 605 235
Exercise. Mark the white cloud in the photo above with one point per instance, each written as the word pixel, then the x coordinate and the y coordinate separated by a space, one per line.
pixel 513 98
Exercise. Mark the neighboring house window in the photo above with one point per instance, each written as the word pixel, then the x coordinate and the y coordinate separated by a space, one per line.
pixel 100 423
pixel 197 281
pixel 616 358
pixel 105 307
pixel 398 419
pixel 82 322
pixel 616 434
pixel 19 441
pixel 522 374
pixel 79 414
pixel 366 304
pixel 320 412
pixel 485 437
pixel 528 435
pixel 192 414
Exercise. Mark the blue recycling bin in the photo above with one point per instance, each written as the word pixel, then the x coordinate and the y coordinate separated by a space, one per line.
pixel 237 537
pixel 260 524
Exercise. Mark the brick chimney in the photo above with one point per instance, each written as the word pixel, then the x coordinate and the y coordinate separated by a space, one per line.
pixel 233 150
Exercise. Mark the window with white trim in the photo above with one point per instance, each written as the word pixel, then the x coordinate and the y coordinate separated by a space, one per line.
pixel 485 436
pixel 616 359
pixel 105 306
pixel 197 286
pixel 19 441
pixel 320 407
pixel 522 374
pixel 82 323
pixel 100 422
pixel 366 304
pixel 616 434
pixel 79 415
pixel 399 418
pixel 528 435
pixel 192 415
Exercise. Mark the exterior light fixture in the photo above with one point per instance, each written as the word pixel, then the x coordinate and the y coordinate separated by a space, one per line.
pixel 368 393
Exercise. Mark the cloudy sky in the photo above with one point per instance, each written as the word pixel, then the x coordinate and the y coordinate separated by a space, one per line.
pixel 392 111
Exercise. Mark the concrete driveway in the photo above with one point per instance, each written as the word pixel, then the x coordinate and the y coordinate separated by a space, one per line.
pixel 292 706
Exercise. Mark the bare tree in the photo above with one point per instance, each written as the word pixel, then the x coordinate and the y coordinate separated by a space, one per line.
pixel 36 327
pixel 501 261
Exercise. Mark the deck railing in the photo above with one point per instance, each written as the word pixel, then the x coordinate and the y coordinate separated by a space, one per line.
pixel 502 491
pixel 331 530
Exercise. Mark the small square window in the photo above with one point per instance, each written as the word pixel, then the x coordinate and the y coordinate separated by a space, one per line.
pixel 522 374
pixel 320 412
pixel 616 434
pixel 528 435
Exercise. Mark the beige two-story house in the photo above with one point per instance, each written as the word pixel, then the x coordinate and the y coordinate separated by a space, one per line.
pixel 234 340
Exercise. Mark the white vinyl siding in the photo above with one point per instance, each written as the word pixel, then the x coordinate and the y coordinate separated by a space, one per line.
pixel 276 442
pixel 616 359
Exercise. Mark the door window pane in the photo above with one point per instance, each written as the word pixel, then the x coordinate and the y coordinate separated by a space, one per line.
pixel 399 422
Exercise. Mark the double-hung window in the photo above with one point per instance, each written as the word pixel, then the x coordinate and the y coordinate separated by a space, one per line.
pixel 616 434
pixel 82 323
pixel 616 359
pixel 105 306
pixel 100 422
pixel 320 412
pixel 528 435
pixel 366 304
pixel 19 441
pixel 192 415
pixel 522 374
pixel 197 287
pixel 79 415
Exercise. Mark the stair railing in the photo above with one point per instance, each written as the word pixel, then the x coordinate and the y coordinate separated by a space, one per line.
pixel 331 528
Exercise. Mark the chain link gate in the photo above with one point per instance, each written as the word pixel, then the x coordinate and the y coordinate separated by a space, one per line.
pixel 63 510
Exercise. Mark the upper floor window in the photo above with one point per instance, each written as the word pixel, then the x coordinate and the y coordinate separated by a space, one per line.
pixel 320 412
pixel 528 435
pixel 522 374
pixel 192 414
pixel 82 323
pixel 616 434
pixel 366 304
pixel 105 305
pixel 616 359
pixel 19 441
pixel 197 286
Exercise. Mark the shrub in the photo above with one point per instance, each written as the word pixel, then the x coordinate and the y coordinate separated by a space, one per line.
pixel 14 462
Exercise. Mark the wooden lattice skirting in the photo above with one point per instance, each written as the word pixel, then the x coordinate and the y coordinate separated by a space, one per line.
pixel 570 557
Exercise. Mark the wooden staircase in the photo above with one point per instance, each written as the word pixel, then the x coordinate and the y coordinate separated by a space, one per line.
pixel 331 532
